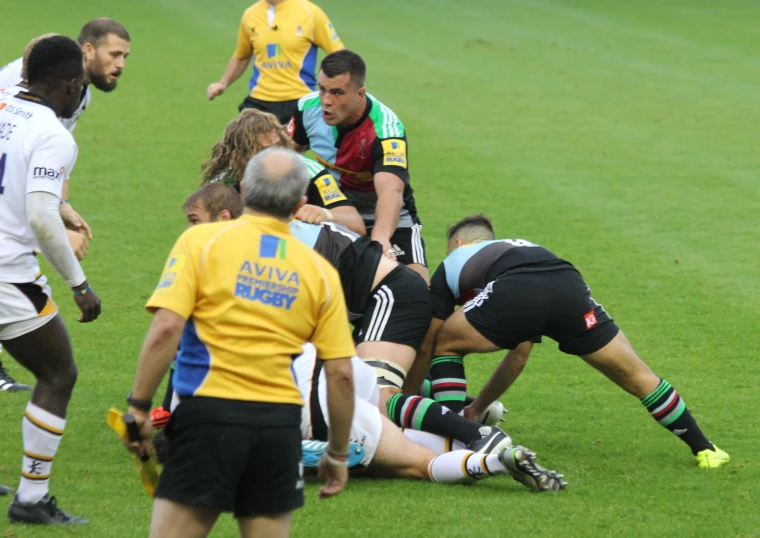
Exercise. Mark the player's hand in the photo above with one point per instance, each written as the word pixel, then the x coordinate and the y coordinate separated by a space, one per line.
pixel 78 243
pixel 214 89
pixel 387 248
pixel 89 303
pixel 313 214
pixel 335 478
pixel 144 447
pixel 73 221
pixel 471 412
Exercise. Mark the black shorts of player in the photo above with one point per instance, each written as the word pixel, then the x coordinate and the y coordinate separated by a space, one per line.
pixel 408 245
pixel 557 304
pixel 284 110
pixel 217 460
pixel 399 310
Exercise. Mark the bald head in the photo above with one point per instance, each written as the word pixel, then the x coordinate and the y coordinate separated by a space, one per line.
pixel 274 182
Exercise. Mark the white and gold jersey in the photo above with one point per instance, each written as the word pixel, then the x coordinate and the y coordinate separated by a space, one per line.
pixel 10 76
pixel 36 155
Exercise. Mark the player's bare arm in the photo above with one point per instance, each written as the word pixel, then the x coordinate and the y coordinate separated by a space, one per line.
pixel 235 68
pixel 505 374
pixel 390 200
pixel 421 365
pixel 346 216
pixel 156 356
pixel 71 218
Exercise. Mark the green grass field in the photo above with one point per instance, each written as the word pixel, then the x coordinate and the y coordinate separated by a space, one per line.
pixel 621 135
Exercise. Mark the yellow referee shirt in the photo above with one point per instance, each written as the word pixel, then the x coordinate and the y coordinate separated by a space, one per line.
pixel 252 294
pixel 283 41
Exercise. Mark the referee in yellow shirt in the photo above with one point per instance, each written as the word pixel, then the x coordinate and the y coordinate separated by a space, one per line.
pixel 282 37
pixel 243 296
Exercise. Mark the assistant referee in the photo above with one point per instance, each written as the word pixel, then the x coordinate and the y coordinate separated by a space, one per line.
pixel 244 295
pixel 282 37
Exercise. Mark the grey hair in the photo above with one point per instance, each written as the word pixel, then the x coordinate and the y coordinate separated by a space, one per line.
pixel 275 192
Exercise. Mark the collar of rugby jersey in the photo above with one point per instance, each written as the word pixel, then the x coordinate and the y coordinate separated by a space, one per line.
pixel 269 223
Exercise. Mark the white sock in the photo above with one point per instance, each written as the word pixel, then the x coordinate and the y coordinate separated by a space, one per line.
pixel 464 467
pixel 434 443
pixel 42 435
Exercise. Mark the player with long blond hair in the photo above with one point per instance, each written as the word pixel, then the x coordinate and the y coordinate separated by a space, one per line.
pixel 253 131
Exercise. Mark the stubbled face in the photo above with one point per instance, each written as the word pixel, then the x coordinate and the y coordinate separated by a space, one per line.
pixel 341 100
pixel 105 63
pixel 197 214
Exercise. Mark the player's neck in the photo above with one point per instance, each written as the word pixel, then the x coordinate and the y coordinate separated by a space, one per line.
pixel 47 98
pixel 254 213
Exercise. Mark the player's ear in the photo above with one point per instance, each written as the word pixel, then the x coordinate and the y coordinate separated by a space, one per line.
pixel 89 52
pixel 300 204
pixel 362 92
pixel 224 214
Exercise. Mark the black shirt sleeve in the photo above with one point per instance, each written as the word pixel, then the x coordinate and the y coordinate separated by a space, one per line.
pixel 390 155
pixel 296 129
pixel 323 191
pixel 440 294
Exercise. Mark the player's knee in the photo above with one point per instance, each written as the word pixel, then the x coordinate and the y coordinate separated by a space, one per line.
pixel 64 378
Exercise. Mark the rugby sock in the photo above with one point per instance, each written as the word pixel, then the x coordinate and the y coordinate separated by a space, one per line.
pixel 426 390
pixel 434 443
pixel 418 413
pixel 667 408
pixel 449 382
pixel 42 434
pixel 464 467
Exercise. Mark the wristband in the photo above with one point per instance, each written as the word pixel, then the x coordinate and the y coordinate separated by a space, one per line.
pixel 337 454
pixel 141 405
pixel 83 292
pixel 64 202
pixel 329 214
pixel 335 462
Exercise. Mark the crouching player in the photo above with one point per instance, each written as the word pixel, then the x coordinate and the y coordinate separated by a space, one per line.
pixel 390 452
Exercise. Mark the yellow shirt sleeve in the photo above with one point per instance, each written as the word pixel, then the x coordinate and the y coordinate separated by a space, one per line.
pixel 176 291
pixel 332 336
pixel 325 35
pixel 244 49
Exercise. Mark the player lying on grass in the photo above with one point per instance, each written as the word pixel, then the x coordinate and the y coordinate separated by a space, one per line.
pixel 392 452
pixel 253 131
pixel 401 297
pixel 514 290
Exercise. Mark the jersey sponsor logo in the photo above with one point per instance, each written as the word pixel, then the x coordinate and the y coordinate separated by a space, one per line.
pixel 299 31
pixel 329 190
pixel 40 172
pixel 394 152
pixel 3 105
pixel 173 268
pixel 591 320
pixel 6 130
pixel 268 285
pixel 274 51
pixel 272 247
pixel 16 111
pixel 331 30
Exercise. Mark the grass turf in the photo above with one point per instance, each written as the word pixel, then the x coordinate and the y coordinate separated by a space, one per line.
pixel 622 136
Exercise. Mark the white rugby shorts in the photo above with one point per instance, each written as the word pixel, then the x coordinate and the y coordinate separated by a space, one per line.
pixel 25 307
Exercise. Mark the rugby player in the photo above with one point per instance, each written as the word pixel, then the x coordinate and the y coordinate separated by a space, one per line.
pixel 282 37
pixel 389 451
pixel 363 144
pixel 235 436
pixel 36 155
pixel 522 290
pixel 253 131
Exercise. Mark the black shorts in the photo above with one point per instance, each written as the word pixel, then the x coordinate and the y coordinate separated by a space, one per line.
pixel 408 245
pixel 284 110
pixel 557 304
pixel 249 470
pixel 399 310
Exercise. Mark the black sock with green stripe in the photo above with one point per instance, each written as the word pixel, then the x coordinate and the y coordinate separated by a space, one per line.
pixel 448 381
pixel 667 408
pixel 423 414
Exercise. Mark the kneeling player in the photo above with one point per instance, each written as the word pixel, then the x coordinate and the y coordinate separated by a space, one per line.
pixel 391 452
pixel 524 291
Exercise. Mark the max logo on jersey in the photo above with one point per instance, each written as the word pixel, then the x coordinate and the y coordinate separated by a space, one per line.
pixel 274 51
pixel 173 268
pixel 40 172
pixel 394 152
pixel 329 190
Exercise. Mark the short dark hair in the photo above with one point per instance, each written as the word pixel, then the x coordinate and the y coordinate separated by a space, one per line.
pixel 54 59
pixel 96 30
pixel 345 61
pixel 216 197
pixel 473 221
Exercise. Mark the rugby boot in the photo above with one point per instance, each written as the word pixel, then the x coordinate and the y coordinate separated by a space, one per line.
pixel 44 512
pixel 522 465
pixel 494 441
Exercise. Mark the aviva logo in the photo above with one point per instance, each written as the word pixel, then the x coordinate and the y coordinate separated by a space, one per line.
pixel 272 247
pixel 274 61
